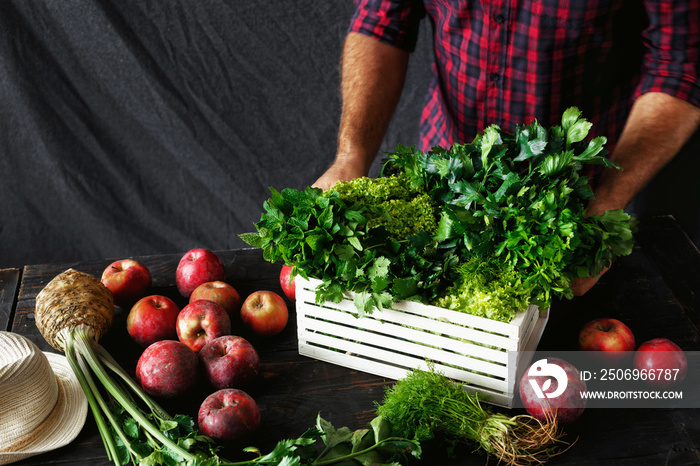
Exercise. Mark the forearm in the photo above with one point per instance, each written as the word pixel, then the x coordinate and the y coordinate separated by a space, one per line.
pixel 372 78
pixel 657 128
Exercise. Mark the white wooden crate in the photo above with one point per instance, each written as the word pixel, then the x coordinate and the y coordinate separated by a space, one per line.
pixel 484 354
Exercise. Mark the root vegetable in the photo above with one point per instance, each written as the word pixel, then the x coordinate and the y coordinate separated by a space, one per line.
pixel 73 312
pixel 70 299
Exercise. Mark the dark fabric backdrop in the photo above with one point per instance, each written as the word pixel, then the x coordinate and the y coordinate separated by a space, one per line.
pixel 131 128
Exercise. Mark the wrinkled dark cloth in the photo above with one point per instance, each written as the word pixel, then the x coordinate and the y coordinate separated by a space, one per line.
pixel 144 127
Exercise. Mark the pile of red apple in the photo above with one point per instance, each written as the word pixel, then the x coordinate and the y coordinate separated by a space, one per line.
pixel 616 341
pixel 182 346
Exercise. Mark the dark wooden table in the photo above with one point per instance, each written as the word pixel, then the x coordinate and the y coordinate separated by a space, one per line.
pixel 655 291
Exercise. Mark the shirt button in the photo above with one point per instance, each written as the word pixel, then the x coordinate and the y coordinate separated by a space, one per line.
pixel 499 18
pixel 495 77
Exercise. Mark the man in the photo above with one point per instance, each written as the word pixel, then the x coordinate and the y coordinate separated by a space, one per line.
pixel 632 71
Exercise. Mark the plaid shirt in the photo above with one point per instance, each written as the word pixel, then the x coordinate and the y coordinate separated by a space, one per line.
pixel 507 62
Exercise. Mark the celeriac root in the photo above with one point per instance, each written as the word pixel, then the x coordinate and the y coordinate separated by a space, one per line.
pixel 72 298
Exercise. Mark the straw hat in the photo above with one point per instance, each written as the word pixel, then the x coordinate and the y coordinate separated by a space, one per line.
pixel 42 406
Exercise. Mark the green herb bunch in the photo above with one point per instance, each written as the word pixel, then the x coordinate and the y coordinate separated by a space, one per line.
pixel 392 203
pixel 520 200
pixel 350 237
pixel 428 406
pixel 325 445
pixel 486 227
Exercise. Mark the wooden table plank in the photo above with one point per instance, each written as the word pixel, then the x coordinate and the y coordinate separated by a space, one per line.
pixel 652 290
pixel 9 281
pixel 678 261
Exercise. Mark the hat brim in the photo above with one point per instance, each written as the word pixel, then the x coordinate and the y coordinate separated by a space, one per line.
pixel 65 421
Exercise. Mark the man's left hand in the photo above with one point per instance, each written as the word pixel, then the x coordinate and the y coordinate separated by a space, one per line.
pixel 581 285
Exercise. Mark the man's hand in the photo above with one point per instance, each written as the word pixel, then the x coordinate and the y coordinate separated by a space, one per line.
pixel 580 286
pixel 656 129
pixel 339 171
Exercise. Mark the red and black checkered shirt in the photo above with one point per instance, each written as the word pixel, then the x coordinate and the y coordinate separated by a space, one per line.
pixel 507 62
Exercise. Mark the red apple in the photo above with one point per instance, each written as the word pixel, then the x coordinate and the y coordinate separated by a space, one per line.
pixel 198 266
pixel 606 335
pixel 167 368
pixel 128 280
pixel 152 319
pixel 609 336
pixel 229 361
pixel 662 361
pixel 550 388
pixel 265 313
pixel 202 321
pixel 287 283
pixel 228 414
pixel 221 293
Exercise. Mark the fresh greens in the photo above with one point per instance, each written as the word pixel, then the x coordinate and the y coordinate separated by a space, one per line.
pixel 515 203
pixel 428 406
pixel 375 446
pixel 487 289
pixel 522 199
pixel 390 203
pixel 350 238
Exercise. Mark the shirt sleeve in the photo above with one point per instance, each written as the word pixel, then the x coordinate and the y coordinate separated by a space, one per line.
pixel 394 22
pixel 672 60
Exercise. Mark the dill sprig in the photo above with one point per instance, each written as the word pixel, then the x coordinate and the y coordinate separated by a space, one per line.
pixel 427 405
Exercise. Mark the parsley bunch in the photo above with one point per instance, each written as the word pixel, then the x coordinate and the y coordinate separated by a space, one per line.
pixel 350 237
pixel 521 199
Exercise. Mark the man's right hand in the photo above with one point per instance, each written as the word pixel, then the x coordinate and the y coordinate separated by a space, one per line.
pixel 338 172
